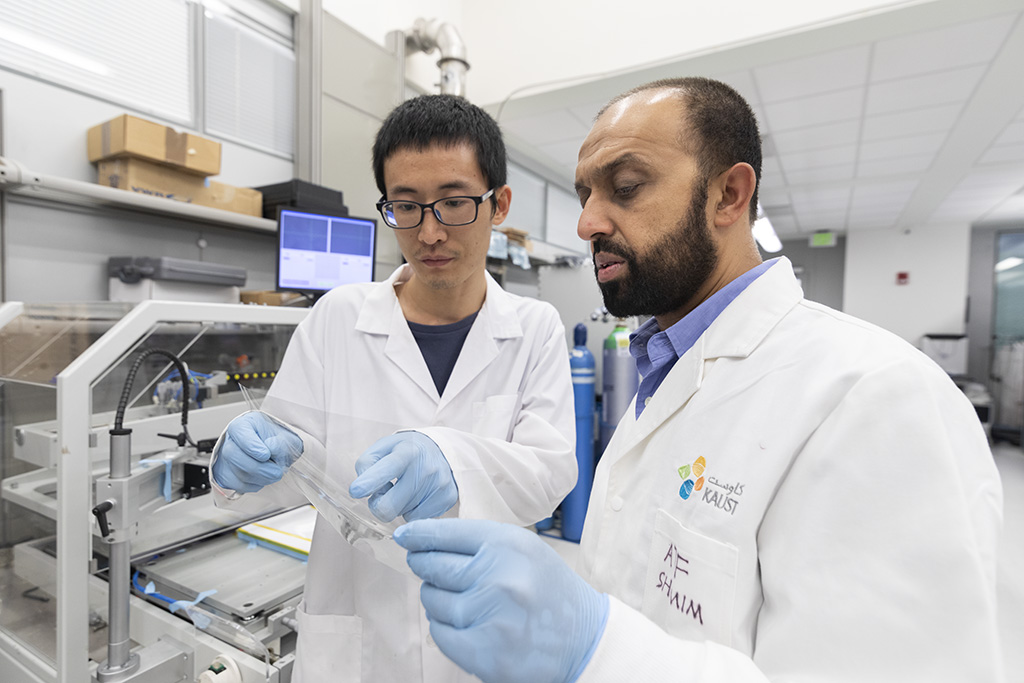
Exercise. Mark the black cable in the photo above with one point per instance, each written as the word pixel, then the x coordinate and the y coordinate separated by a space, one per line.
pixel 186 380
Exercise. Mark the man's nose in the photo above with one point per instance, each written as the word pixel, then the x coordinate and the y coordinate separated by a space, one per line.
pixel 432 230
pixel 593 221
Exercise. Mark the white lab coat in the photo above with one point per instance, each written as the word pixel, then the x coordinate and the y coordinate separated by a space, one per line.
pixel 505 423
pixel 846 526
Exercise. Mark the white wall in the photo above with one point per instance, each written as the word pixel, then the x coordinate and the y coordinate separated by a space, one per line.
pixel 934 301
pixel 376 19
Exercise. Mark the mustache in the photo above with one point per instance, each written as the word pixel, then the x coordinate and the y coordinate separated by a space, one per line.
pixel 604 244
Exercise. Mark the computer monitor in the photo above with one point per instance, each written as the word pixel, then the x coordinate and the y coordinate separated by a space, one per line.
pixel 317 251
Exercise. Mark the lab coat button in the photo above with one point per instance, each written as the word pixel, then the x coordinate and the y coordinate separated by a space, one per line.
pixel 430 641
pixel 616 503
pixel 647 400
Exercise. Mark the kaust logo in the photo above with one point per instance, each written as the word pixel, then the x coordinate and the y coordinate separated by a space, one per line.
pixel 692 475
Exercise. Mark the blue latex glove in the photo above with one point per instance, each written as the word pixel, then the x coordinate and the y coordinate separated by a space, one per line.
pixel 423 485
pixel 501 603
pixel 255 452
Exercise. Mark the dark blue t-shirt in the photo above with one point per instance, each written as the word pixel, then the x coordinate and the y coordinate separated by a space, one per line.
pixel 440 346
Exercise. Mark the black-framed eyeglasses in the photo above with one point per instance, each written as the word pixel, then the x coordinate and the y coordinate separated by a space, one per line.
pixel 403 214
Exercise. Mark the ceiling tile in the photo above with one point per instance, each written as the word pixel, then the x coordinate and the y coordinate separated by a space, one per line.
pixel 811 222
pixel 821 73
pixel 554 126
pixel 817 137
pixel 998 154
pixel 914 121
pixel 565 153
pixel 827 174
pixel 834 199
pixel 585 113
pixel 1014 133
pixel 899 166
pixel 871 223
pixel 816 158
pixel 813 111
pixel 887 197
pixel 910 146
pixel 743 82
pixel 785 226
pixel 950 47
pixel 946 87
pixel 1011 208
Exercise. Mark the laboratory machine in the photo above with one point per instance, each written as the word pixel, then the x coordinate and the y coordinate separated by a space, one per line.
pixel 115 564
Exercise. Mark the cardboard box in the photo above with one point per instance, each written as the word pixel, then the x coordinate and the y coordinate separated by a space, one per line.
pixel 152 179
pixel 238 199
pixel 131 136
pixel 155 180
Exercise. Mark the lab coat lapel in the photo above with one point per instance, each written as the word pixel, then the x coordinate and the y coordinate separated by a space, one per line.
pixel 497 320
pixel 737 331
pixel 381 314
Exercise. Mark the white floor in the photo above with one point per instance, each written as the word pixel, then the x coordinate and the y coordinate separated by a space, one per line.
pixel 1010 461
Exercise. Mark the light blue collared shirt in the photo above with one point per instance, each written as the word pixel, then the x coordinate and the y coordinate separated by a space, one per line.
pixel 656 351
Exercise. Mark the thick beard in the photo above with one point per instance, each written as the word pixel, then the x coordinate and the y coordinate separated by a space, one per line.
pixel 670 273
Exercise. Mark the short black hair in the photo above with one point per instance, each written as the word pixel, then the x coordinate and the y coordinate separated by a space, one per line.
pixel 445 120
pixel 723 125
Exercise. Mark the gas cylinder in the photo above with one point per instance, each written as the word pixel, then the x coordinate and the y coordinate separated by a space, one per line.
pixel 619 380
pixel 574 507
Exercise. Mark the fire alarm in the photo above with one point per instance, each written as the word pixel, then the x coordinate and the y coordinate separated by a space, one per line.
pixel 903 278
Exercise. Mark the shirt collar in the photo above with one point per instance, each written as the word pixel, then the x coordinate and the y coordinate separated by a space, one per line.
pixel 654 348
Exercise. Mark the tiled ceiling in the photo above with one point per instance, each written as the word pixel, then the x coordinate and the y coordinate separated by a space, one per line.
pixel 870 125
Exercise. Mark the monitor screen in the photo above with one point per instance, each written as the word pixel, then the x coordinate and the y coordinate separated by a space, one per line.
pixel 317 251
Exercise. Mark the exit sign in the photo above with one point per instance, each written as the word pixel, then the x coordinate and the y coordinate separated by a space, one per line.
pixel 823 239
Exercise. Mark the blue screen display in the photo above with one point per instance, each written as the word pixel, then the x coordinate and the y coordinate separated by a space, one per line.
pixel 318 252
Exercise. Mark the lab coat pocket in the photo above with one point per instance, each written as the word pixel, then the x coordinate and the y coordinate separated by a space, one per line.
pixel 494 416
pixel 690 582
pixel 329 649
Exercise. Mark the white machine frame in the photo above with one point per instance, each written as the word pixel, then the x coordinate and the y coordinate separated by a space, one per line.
pixel 74 480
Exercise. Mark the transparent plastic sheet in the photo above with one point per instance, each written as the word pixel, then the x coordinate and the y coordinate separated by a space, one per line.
pixel 227 631
pixel 325 483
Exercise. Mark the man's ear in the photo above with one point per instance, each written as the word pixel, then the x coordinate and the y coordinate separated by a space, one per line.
pixel 733 189
pixel 502 201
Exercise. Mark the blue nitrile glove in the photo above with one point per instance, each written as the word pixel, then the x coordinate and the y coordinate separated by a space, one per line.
pixel 255 452
pixel 501 603
pixel 425 486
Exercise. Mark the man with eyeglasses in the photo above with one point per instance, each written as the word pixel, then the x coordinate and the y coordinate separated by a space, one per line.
pixel 476 379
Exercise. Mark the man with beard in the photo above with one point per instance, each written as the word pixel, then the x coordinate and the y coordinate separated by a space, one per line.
pixel 796 495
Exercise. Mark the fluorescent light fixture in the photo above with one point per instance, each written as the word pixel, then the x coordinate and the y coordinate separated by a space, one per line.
pixel 53 50
pixel 764 233
pixel 1008 263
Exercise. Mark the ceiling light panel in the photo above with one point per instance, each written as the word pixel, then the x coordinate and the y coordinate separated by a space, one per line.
pixel 815 111
pixel 822 73
pixel 912 122
pixel 976 42
pixel 946 87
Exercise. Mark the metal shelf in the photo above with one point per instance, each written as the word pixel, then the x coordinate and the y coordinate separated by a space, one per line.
pixel 16 179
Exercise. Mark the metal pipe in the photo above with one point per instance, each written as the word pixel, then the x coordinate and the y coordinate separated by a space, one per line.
pixel 425 36
pixel 119 587
pixel 120 661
